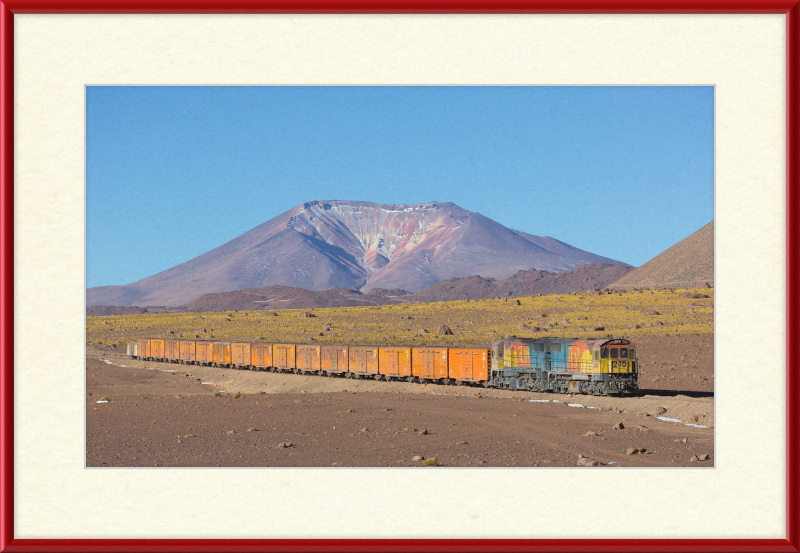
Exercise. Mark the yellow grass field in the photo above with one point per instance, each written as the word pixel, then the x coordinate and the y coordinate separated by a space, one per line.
pixel 476 323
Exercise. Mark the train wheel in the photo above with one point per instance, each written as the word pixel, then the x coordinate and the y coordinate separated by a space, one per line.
pixel 459 383
pixel 486 384
pixel 446 381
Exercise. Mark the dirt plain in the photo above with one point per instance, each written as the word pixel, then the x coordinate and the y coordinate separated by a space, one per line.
pixel 163 415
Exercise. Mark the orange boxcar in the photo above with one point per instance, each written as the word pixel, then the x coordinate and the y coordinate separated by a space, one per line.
pixel 157 349
pixel 143 349
pixel 240 354
pixel 188 351
pixel 363 360
pixel 261 355
pixel 283 356
pixel 333 359
pixel 429 363
pixel 204 353
pixel 469 365
pixel 308 358
pixel 222 353
pixel 394 362
pixel 172 350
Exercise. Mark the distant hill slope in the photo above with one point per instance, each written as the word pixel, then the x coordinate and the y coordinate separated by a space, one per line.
pixel 287 297
pixel 687 264
pixel 354 245
pixel 523 283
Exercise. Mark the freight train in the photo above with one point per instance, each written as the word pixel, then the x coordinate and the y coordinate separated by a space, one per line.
pixel 606 366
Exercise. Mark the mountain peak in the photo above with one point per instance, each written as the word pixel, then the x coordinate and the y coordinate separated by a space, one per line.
pixel 323 244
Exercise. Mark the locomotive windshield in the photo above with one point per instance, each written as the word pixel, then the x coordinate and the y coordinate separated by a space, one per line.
pixel 623 353
pixel 604 353
pixel 614 353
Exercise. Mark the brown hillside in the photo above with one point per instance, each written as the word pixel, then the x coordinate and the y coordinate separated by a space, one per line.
pixel 287 297
pixel 523 283
pixel 687 264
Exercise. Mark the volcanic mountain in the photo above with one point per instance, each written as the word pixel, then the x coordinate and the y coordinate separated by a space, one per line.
pixel 354 245
pixel 687 264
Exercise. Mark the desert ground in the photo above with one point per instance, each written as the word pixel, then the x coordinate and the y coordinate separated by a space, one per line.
pixel 146 414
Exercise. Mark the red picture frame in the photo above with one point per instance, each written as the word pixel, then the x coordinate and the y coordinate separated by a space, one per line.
pixel 8 8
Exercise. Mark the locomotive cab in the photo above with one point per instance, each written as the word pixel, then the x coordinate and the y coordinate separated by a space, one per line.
pixel 617 358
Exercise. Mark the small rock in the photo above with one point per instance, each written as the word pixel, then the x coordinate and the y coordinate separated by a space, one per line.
pixel 231 431
pixel 363 430
pixel 703 457
pixel 660 411
pixel 693 459
pixel 444 330
pixel 599 328
pixel 284 445
pixel 423 431
pixel 418 458
pixel 580 456
pixel 590 433
pixel 619 426
pixel 586 462
pixel 632 451
pixel 251 429
pixel 349 410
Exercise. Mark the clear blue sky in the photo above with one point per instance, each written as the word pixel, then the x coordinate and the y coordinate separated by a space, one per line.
pixel 172 172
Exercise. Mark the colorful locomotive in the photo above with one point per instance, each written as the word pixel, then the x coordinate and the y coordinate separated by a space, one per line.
pixel 606 366
pixel 563 365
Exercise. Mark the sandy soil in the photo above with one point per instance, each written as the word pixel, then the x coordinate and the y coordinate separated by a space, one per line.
pixel 159 418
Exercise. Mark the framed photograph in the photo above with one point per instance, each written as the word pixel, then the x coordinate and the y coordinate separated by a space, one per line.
pixel 56 56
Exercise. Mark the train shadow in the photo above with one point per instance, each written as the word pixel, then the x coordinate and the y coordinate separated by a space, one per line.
pixel 675 393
